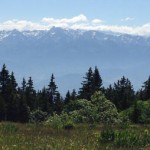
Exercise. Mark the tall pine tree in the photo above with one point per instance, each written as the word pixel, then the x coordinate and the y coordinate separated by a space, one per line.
pixel 123 95
pixel 30 94
pixel 97 80
pixel 52 93
pixel 145 95
pixel 4 93
pixel 91 84
pixel 67 98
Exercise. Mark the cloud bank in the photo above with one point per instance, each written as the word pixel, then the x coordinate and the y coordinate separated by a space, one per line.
pixel 77 22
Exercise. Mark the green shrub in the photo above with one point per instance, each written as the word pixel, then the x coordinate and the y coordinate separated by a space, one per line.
pixel 107 135
pixel 54 121
pixel 127 139
pixel 69 125
pixel 130 139
pixel 60 121
pixel 98 110
pixel 141 113
pixel 84 113
pixel 37 116
pixel 124 121
pixel 105 111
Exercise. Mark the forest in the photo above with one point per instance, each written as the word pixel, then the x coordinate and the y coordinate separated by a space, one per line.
pixel 94 106
pixel 20 104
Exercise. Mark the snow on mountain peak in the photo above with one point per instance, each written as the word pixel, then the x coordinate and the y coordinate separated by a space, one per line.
pixel 4 34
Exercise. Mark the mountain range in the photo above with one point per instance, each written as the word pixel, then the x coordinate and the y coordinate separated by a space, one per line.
pixel 69 54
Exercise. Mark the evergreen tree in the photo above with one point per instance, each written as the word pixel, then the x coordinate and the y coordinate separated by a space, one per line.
pixel 13 82
pixel 52 92
pixel 109 93
pixel 73 95
pixel 4 81
pixel 87 86
pixel 52 86
pixel 91 84
pixel 123 94
pixel 2 109
pixel 67 98
pixel 139 95
pixel 30 94
pixel 43 100
pixel 24 110
pixel 58 104
pixel 136 113
pixel 4 93
pixel 23 88
pixel 97 80
pixel 146 90
pixel 22 91
pixel 13 105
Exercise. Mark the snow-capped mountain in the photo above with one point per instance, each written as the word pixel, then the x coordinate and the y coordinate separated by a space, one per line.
pixel 69 53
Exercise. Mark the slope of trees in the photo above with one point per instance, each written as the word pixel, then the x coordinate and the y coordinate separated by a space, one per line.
pixel 20 104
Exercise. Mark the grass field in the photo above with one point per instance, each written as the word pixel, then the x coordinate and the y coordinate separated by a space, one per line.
pixel 15 136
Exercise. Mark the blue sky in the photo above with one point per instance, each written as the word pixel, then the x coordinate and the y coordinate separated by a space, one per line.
pixel 130 13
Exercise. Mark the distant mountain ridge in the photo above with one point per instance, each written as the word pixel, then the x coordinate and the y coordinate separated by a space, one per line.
pixel 69 53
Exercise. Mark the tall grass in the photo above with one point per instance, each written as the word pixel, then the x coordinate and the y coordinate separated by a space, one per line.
pixel 40 137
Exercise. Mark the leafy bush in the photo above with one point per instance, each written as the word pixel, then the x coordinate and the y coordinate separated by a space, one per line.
pixel 60 121
pixel 106 111
pixel 99 110
pixel 124 120
pixel 127 139
pixel 107 135
pixel 130 139
pixel 85 112
pixel 140 112
pixel 69 125
pixel 38 116
pixel 54 121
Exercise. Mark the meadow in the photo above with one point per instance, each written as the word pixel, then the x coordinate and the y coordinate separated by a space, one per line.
pixel 16 136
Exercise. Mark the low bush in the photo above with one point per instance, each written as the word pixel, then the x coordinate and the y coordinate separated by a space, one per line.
pixel 129 139
pixel 107 135
pixel 124 121
pixel 54 121
pixel 37 116
pixel 69 125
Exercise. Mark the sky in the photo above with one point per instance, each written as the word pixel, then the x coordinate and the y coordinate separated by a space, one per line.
pixel 125 16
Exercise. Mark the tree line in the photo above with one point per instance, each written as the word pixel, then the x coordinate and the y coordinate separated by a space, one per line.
pixel 17 103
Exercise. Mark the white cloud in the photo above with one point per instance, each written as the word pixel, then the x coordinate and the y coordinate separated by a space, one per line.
pixel 127 19
pixel 97 21
pixel 77 22
pixel 21 25
pixel 76 19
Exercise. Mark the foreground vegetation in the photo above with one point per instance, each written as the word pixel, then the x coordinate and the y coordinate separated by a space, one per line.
pixel 94 119
pixel 15 136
